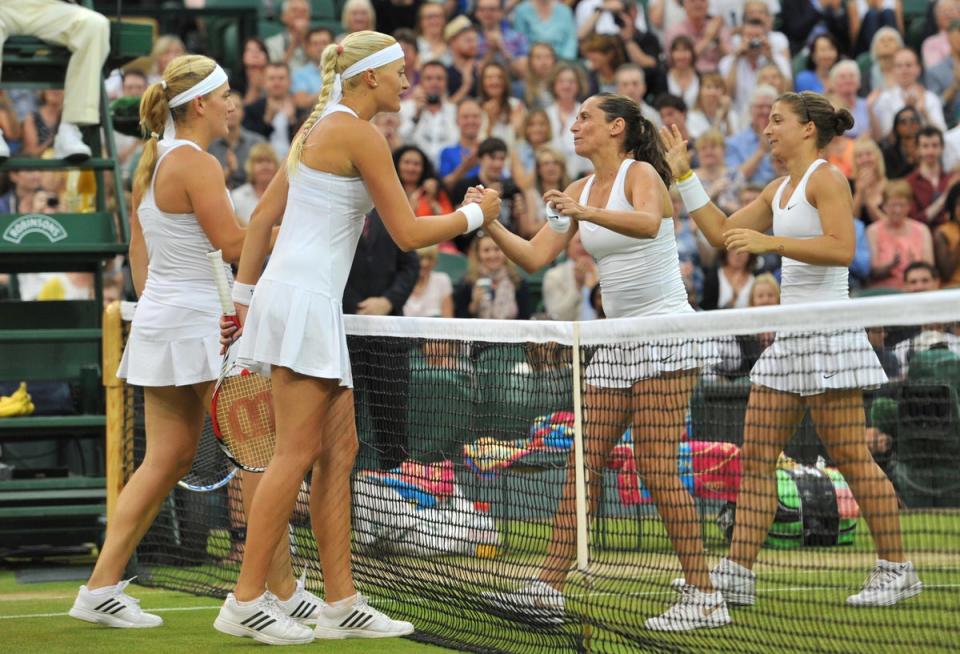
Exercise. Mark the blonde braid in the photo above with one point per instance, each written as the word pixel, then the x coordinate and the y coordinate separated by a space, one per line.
pixel 328 62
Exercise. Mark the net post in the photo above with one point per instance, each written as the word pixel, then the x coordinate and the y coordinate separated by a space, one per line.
pixel 112 346
pixel 580 479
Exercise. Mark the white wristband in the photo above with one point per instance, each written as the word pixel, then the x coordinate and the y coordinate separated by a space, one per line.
pixel 693 194
pixel 242 293
pixel 474 215
pixel 558 222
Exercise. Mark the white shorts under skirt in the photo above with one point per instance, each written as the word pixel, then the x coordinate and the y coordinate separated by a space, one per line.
pixel 171 346
pixel 622 365
pixel 295 328
pixel 811 363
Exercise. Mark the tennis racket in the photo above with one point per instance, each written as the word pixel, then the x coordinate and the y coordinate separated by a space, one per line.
pixel 211 468
pixel 241 412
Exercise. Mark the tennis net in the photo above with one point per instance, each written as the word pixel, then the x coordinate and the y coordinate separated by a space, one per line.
pixel 527 486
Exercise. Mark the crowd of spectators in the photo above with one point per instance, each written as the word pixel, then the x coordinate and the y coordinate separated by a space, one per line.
pixel 496 84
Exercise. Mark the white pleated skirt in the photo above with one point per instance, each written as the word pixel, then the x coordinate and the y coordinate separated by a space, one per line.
pixel 811 363
pixel 171 346
pixel 623 365
pixel 295 328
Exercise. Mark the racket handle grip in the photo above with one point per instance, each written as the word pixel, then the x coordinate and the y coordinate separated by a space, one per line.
pixel 220 279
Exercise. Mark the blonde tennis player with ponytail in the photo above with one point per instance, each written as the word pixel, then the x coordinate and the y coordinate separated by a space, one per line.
pixel 173 348
pixel 339 168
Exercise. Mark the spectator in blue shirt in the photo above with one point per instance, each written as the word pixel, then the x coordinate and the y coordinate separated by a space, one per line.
pixel 860 266
pixel 548 21
pixel 748 151
pixel 460 160
pixel 307 80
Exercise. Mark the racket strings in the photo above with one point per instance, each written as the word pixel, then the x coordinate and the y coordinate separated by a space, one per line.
pixel 245 419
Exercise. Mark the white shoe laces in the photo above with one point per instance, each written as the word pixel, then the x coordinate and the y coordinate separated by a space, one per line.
pixel 880 577
pixel 119 592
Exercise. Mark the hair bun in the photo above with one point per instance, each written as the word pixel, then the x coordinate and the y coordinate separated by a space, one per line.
pixel 842 121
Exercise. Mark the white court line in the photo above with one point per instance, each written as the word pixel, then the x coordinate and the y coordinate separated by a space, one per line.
pixel 424 600
pixel 58 615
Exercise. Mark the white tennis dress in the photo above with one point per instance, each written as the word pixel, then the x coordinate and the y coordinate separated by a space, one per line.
pixel 174 337
pixel 811 362
pixel 296 314
pixel 638 277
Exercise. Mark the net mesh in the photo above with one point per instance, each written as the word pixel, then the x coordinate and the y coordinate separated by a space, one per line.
pixel 465 517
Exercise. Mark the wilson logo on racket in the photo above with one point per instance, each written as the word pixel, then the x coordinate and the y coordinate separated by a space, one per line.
pixel 251 417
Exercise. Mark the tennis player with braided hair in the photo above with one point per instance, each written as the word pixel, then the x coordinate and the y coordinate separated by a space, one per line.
pixel 810 212
pixel 339 168
pixel 625 218
pixel 173 346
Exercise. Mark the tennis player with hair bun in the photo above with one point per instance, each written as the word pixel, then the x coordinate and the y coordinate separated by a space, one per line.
pixel 339 168
pixel 624 216
pixel 173 346
pixel 810 212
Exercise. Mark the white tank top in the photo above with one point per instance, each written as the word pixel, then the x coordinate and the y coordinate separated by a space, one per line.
pixel 178 272
pixel 320 230
pixel 638 276
pixel 805 282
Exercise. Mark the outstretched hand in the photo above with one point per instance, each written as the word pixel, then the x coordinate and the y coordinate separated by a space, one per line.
pixel 675 150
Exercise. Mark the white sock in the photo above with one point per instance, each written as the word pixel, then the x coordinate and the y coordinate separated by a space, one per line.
pixel 103 590
pixel 343 605
pixel 248 603
pixel 737 567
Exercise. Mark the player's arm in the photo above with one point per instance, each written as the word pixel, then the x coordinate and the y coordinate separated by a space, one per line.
pixel 371 156
pixel 202 178
pixel 828 191
pixel 545 245
pixel 712 221
pixel 646 195
pixel 139 259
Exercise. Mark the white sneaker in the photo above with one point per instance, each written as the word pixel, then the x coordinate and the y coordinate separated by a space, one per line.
pixel 888 584
pixel 359 620
pixel 112 607
pixel 262 620
pixel 4 149
pixel 303 605
pixel 738 585
pixel 694 610
pixel 536 603
pixel 68 143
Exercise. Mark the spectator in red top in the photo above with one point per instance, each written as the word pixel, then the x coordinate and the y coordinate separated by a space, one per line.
pixel 710 37
pixel 929 181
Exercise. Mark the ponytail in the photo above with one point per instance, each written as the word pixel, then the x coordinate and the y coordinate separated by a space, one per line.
pixel 336 58
pixel 328 67
pixel 181 74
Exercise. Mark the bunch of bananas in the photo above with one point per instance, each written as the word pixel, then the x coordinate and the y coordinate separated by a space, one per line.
pixel 17 404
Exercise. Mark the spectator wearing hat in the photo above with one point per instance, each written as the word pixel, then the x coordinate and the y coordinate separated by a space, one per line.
pixel 462 77
pixel 497 40
pixel 548 21
pixel 428 119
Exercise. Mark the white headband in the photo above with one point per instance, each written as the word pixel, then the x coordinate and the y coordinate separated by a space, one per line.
pixel 379 58
pixel 210 83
